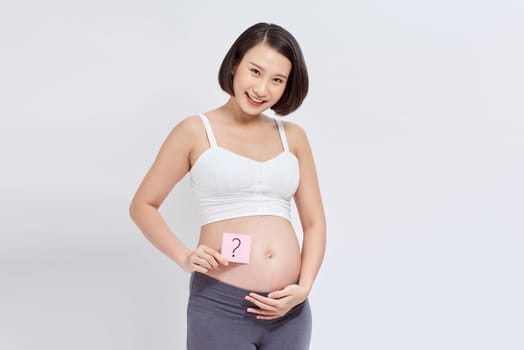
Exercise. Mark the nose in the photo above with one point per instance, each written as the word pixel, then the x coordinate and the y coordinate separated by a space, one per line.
pixel 261 87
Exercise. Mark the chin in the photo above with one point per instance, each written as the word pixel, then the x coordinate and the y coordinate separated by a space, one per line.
pixel 248 109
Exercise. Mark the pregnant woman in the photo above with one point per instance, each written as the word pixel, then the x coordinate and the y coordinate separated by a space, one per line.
pixel 245 168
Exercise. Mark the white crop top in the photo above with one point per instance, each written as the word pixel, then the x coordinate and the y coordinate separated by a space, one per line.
pixel 228 185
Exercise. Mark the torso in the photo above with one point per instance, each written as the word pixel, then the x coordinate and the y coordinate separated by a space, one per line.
pixel 275 252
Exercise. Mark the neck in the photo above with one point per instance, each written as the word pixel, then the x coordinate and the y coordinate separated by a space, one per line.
pixel 232 110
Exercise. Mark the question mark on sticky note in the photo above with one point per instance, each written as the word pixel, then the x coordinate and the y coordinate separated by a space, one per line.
pixel 238 245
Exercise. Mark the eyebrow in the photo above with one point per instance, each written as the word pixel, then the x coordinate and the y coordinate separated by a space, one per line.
pixel 262 68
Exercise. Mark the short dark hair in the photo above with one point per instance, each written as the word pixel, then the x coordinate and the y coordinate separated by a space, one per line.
pixel 281 40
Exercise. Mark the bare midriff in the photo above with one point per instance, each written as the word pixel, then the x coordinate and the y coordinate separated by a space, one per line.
pixel 275 252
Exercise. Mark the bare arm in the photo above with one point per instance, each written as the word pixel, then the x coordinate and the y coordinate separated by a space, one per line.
pixel 310 208
pixel 169 167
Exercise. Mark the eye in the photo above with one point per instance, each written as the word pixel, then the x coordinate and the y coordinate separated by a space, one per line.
pixel 278 81
pixel 255 71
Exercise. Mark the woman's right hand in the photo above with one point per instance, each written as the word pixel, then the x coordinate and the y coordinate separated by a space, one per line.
pixel 202 259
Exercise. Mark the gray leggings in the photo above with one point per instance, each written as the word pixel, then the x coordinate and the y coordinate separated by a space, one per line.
pixel 217 319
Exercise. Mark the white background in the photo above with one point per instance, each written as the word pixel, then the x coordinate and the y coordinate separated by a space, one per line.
pixel 415 115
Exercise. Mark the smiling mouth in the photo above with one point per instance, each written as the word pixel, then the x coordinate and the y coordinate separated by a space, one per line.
pixel 254 101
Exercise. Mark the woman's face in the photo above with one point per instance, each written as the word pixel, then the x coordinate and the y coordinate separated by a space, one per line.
pixel 260 79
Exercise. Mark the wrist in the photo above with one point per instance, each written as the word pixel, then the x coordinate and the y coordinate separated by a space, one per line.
pixel 306 286
pixel 183 259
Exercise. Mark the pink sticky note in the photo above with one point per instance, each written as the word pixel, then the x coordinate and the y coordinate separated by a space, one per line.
pixel 236 247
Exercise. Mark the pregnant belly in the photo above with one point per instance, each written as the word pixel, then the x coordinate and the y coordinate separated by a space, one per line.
pixel 274 257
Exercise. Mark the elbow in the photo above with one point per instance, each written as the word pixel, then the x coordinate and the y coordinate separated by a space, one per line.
pixel 133 210
pixel 317 227
pixel 314 223
pixel 136 208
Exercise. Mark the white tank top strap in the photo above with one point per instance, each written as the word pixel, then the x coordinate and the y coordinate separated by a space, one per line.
pixel 209 131
pixel 282 132
pixel 227 185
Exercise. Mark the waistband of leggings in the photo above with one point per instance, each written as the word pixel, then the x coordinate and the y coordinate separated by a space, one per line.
pixel 201 281
pixel 208 294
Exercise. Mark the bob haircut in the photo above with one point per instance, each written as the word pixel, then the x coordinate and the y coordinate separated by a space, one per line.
pixel 281 40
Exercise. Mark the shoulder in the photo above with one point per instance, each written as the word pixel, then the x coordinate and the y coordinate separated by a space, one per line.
pixel 190 125
pixel 296 136
pixel 188 128
pixel 183 135
pixel 293 129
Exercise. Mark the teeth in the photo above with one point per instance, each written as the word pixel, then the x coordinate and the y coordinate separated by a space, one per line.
pixel 255 99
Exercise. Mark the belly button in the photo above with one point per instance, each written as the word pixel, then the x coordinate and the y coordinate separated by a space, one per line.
pixel 269 255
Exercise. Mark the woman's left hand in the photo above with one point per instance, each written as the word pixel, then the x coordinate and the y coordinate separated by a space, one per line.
pixel 277 303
